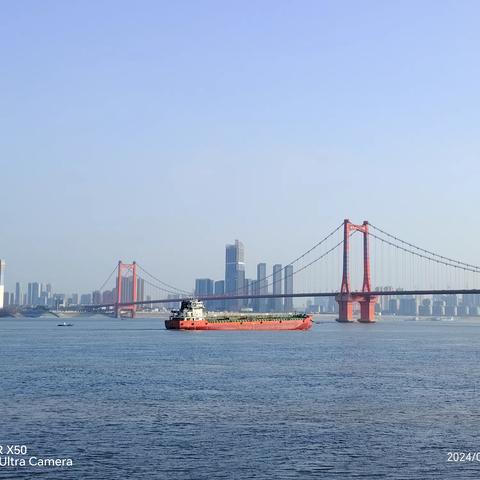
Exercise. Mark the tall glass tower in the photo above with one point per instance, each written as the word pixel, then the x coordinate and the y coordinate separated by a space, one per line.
pixel 234 274
pixel 262 287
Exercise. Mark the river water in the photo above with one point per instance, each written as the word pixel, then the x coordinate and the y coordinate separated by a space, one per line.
pixel 126 399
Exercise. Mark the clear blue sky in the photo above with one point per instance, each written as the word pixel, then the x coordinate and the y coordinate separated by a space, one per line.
pixel 159 131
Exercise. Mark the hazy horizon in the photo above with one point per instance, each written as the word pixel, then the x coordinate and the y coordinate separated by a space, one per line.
pixel 162 131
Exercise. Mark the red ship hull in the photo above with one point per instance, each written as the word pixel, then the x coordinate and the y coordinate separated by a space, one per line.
pixel 241 324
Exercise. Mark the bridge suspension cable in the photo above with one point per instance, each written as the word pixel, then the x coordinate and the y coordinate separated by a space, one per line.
pixel 438 258
pixel 428 252
pixel 321 256
pixel 323 240
pixel 107 280
pixel 167 285
pixel 165 290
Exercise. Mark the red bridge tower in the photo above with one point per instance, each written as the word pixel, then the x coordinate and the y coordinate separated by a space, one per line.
pixel 346 298
pixel 128 268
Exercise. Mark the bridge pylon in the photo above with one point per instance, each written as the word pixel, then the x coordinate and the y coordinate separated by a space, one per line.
pixel 346 298
pixel 132 288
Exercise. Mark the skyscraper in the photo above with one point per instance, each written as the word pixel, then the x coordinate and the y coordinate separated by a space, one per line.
pixel 140 289
pixel 288 288
pixel 29 293
pixel 97 297
pixel 277 287
pixel 234 273
pixel 18 294
pixel 107 297
pixel 86 299
pixel 33 293
pixel 219 289
pixel 204 288
pixel 49 292
pixel 127 288
pixel 262 287
pixel 36 289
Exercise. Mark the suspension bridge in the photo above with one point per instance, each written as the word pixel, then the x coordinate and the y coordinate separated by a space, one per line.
pixel 318 272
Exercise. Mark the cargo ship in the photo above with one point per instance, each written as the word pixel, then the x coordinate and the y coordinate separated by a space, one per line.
pixel 193 316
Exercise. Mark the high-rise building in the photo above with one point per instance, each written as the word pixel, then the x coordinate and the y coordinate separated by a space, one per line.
pixel 393 306
pixel 288 288
pixel 42 298
pixel 108 297
pixel 96 297
pixel 86 299
pixel 33 293
pixel 36 293
pixel 18 294
pixel 262 287
pixel 425 308
pixel 438 307
pixel 234 273
pixel 219 289
pixel 469 300
pixel 127 289
pixel 2 281
pixel 408 306
pixel 29 293
pixel 48 292
pixel 204 288
pixel 277 287
pixel 140 289
pixel 58 300
pixel 332 305
pixel 384 300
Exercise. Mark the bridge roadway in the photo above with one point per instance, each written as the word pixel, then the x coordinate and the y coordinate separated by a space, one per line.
pixel 290 295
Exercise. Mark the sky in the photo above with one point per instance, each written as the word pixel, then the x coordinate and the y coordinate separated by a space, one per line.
pixel 159 131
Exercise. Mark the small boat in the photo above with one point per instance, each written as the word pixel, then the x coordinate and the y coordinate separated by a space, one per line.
pixel 64 324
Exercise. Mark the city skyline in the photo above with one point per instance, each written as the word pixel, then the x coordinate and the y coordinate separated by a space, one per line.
pixel 43 295
pixel 236 281
pixel 280 281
